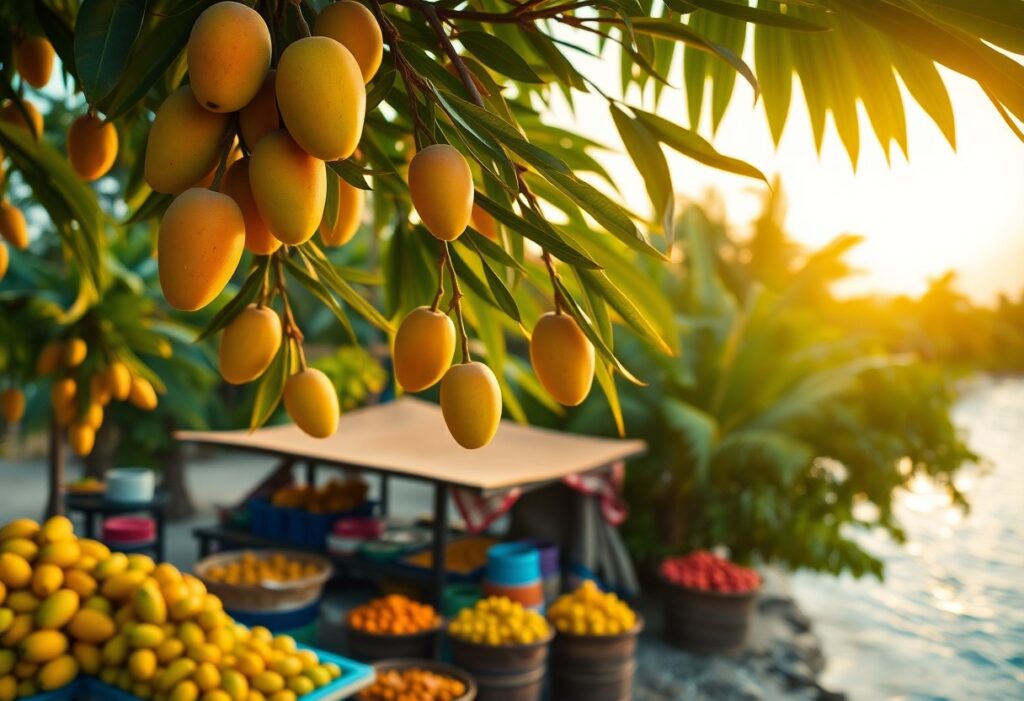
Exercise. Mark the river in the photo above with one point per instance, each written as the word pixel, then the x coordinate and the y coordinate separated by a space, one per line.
pixel 948 621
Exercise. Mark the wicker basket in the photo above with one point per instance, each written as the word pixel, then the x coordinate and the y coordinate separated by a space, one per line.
pixel 267 595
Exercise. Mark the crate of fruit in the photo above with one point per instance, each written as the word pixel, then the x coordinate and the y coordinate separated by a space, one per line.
pixel 465 558
pixel 305 515
pixel 265 580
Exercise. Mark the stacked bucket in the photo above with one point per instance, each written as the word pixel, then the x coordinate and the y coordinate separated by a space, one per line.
pixel 514 571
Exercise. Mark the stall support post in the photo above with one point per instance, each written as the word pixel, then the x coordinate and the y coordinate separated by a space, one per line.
pixel 311 473
pixel 385 494
pixel 440 542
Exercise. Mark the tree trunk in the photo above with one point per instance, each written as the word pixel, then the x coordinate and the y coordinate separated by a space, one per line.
pixel 172 462
pixel 55 500
pixel 102 456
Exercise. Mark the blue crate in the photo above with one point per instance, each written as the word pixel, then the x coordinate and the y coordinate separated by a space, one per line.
pixel 71 692
pixel 298 526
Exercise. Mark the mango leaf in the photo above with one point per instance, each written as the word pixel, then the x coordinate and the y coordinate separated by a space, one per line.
pixel 499 290
pixel 104 33
pixel 650 161
pixel 60 34
pixel 354 174
pixel 756 15
pixel 317 289
pixel 153 206
pixel 271 387
pixel 498 56
pixel 491 249
pixel 246 294
pixel 597 280
pixel 330 216
pixel 379 88
pixel 325 269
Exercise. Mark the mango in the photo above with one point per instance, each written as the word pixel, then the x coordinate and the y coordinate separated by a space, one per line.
pixel 353 26
pixel 57 673
pixel 57 610
pixel 8 688
pixel 15 572
pixel 5 259
pixel 93 416
pixel 150 606
pixel 92 146
pixel 115 651
pixel 176 672
pixel 471 404
pixel 49 358
pixel 33 59
pixel 16 632
pixel 424 347
pixel 12 403
pixel 441 187
pixel 322 98
pixel 234 154
pixel 235 684
pixel 221 695
pixel 249 344
pixel 200 243
pixel 268 682
pixel 184 691
pixel 75 350
pixel 235 184
pixel 82 438
pixel 82 583
pixel 260 116
pixel 142 394
pixel 43 646
pixel 228 56
pixel 289 187
pixel 142 664
pixel 207 676
pixel 118 380
pixel 312 402
pixel 121 587
pixel 10 114
pixel 47 579
pixel 6 619
pixel 63 553
pixel 145 635
pixel 165 573
pixel 113 565
pixel 184 143
pixel 98 392
pixel 91 626
pixel 142 562
pixel 19 528
pixel 348 215
pixel 169 650
pixel 88 656
pixel 13 226
pixel 483 222
pixel 23 602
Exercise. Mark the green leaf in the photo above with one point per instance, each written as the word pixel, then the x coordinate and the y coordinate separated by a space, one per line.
pixel 491 249
pixel 354 174
pixel 271 387
pixel 498 56
pixel 104 33
pixel 318 290
pixel 246 294
pixel 330 216
pixel 379 89
pixel 774 64
pixel 155 204
pixel 695 428
pixel 501 293
pixel 757 15
pixel 625 307
pixel 325 269
pixel 60 34
pixel 650 161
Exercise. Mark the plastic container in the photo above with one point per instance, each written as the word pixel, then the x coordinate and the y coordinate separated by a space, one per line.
pixel 509 564
pixel 129 531
pixel 550 567
pixel 349 534
pixel 530 595
pixel 131 485
pixel 298 526
pixel 459 596
pixel 594 667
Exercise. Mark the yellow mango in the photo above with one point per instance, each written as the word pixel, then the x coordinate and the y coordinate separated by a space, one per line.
pixel 121 587
pixel 322 98
pixel 19 528
pixel 349 215
pixel 176 672
pixel 145 635
pixel 15 572
pixel 289 187
pixel 80 582
pixel 207 676
pixel 184 691
pixel 12 402
pixel 5 259
pixel 16 632
pixel 10 114
pixel 142 394
pixel 57 673
pixel 483 222
pixel 49 358
pixel 8 688
pixel 268 682
pixel 235 184
pixel 43 646
pixel 82 437
pixel 424 347
pixel 23 602
pixel 91 626
pixel 13 226
pixel 114 564
pixel 47 579
pixel 142 664
pixel 165 573
pixel 200 244
pixel 235 684
pixel 93 416
pixel 57 610
pixel 56 529
pixel 228 56
pixel 6 619
pixel 260 116
pixel 354 27
pixel 98 392
pixel 184 143
pixel 471 404
pixel 118 380
pixel 312 402
pixel 89 659
pixel 92 146
pixel 140 561
pixel 249 344
pixel 33 59
pixel 216 695
pixel 441 188
pixel 150 606
pixel 75 350
pixel 63 553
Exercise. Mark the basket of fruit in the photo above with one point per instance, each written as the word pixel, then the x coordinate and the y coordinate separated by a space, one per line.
pixel 392 626
pixel 504 646
pixel 593 655
pixel 265 580
pixel 708 602
pixel 419 680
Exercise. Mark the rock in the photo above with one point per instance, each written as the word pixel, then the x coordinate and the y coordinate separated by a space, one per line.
pixel 725 682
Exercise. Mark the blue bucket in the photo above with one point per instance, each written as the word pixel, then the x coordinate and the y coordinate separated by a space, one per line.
pixel 512 564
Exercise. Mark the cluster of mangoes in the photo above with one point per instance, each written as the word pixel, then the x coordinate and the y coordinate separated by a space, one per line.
pixel 81 408
pixel 413 684
pixel 333 497
pixel 496 621
pixel 70 606
pixel 393 614
pixel 252 569
pixel 590 612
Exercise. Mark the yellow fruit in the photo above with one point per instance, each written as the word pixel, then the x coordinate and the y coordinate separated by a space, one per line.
pixel 228 56
pixel 484 223
pixel 441 187
pixel 19 528
pixel 8 688
pixel 223 638
pixel 319 676
pixel 43 646
pixel 249 344
pixel 6 619
pixel 349 214
pixel 12 401
pixel 88 656
pixel 354 27
pixel 93 416
pixel 63 553
pixel 49 358
pixel 250 664
pixel 118 380
pixel 57 673
pixel 216 695
pixel 268 682
pixel 424 346
pixel 142 394
pixel 111 566
pixel 289 187
pixel 15 571
pixel 16 632
pixel 235 684
pixel 282 695
pixel 75 351
pixel 82 583
pixel 92 146
pixel 235 184
pixel 98 392
pixel 287 666
pixel 301 686
pixel 170 165
pixel 23 602
pixel 260 116
pixel 471 404
pixel 312 402
pixel 120 587
pixel 186 608
pixel 47 579
pixel 91 626
pixel 206 676
pixel 184 691
pixel 200 244
pixel 5 255
pixel 20 546
pixel 176 672
pixel 142 664
pixel 166 573
pixel 169 650
pixel 13 226
pixel 33 59
pixel 145 635
pixel 10 114
pixel 82 437
pixel 142 563
pixel 57 610
pixel 150 606
pixel 322 98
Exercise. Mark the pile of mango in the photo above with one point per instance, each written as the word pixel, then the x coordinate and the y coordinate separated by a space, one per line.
pixel 413 684
pixel 497 621
pixel 463 556
pixel 393 615
pixel 331 498
pixel 70 606
pixel 254 569
pixel 589 611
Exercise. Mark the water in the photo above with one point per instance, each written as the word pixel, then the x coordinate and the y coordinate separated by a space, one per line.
pixel 948 622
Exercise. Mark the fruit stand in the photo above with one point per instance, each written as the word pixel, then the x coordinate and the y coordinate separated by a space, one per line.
pixel 520 457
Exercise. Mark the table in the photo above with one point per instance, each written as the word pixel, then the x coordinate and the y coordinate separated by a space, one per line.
pixel 93 505
pixel 407 438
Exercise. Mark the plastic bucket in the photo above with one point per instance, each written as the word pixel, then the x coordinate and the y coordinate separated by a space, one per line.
pixel 513 564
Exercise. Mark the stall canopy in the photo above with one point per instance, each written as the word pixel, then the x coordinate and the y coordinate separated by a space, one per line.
pixel 407 437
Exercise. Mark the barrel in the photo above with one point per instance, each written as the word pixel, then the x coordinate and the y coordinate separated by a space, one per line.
pixel 371 647
pixel 513 571
pixel 504 672
pixel 707 622
pixel 594 667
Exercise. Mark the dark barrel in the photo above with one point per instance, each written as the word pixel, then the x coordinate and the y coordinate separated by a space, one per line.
pixel 707 622
pixel 504 672
pixel 594 667
pixel 368 647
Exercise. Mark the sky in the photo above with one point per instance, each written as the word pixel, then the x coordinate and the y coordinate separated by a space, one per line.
pixel 942 210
